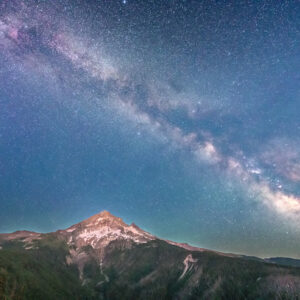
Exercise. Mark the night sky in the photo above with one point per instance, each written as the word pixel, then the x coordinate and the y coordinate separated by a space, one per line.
pixel 182 116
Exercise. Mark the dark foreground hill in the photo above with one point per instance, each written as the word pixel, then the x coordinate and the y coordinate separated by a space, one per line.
pixel 104 258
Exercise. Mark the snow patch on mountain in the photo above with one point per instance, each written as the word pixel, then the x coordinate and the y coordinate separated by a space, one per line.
pixel 188 262
pixel 99 230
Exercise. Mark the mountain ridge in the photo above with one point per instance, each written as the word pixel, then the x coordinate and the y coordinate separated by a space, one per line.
pixel 112 219
pixel 102 257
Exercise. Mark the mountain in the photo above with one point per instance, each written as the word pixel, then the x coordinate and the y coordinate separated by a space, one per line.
pixel 284 261
pixel 99 230
pixel 104 258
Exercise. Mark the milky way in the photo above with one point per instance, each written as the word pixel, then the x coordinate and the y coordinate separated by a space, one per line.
pixel 181 116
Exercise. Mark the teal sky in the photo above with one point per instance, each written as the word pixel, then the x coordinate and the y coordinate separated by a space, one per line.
pixel 180 116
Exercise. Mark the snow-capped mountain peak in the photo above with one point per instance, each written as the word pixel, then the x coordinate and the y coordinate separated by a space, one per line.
pixel 99 230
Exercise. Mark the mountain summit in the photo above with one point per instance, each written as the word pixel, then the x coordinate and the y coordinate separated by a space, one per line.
pixel 99 230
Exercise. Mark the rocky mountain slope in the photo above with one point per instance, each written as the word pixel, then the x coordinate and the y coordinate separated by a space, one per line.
pixel 104 258
pixel 99 230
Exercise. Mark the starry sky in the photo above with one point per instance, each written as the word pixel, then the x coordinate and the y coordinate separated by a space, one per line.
pixel 179 115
